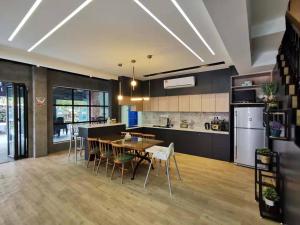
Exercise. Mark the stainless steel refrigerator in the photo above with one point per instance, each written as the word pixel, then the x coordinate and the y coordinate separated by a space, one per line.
pixel 249 134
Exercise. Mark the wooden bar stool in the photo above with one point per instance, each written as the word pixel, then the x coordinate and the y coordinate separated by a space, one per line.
pixel 121 157
pixel 105 153
pixel 93 150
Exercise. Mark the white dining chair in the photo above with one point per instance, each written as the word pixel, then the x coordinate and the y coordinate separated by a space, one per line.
pixel 74 136
pixel 163 153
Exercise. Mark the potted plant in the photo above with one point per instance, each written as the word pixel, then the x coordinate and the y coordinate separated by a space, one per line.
pixel 275 128
pixel 270 90
pixel 264 155
pixel 270 196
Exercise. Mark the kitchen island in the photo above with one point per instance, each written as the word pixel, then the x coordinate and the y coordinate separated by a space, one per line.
pixel 98 130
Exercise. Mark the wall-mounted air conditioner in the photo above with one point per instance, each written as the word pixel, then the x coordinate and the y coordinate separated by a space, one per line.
pixel 179 82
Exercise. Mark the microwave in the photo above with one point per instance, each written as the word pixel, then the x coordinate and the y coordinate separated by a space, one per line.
pixel 244 96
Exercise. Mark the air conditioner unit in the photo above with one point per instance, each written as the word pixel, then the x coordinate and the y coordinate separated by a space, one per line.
pixel 179 83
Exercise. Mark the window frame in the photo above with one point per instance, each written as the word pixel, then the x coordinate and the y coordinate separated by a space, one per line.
pixel 104 106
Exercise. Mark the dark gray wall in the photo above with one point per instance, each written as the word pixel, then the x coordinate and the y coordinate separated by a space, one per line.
pixel 20 73
pixel 58 78
pixel 216 81
pixel 289 166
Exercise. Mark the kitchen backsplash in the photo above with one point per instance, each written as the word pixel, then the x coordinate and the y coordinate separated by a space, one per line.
pixel 195 120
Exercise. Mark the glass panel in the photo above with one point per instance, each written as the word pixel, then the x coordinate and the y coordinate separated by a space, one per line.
pixel 107 112
pixel 21 122
pixel 96 98
pixel 106 99
pixel 81 114
pixel 62 96
pixel 11 122
pixel 62 114
pixel 97 114
pixel 81 97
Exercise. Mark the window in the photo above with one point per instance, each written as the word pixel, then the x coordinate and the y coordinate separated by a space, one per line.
pixel 73 106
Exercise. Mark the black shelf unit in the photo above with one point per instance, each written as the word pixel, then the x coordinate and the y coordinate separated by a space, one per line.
pixel 284 117
pixel 275 212
pixel 265 169
pixel 268 175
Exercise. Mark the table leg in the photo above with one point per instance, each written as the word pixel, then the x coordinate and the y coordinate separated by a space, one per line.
pixel 142 157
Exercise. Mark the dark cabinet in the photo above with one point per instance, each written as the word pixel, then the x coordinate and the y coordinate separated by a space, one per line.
pixel 209 145
pixel 221 147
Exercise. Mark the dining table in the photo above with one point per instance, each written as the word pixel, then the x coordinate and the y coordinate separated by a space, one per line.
pixel 136 144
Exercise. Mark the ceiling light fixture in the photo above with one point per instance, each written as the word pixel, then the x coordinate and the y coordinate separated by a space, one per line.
pixel 120 96
pixel 167 29
pixel 147 98
pixel 24 20
pixel 133 82
pixel 70 16
pixel 192 25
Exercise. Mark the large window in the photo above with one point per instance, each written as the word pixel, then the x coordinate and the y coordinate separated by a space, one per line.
pixel 73 106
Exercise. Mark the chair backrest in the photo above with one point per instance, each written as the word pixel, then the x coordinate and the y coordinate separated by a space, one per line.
pixel 104 147
pixel 136 134
pixel 148 136
pixel 171 151
pixel 118 150
pixel 93 144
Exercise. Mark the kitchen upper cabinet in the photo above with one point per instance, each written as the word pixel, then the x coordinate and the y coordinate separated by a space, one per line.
pixel 154 104
pixel 222 102
pixel 163 104
pixel 208 103
pixel 184 103
pixel 173 103
pixel 195 103
pixel 147 106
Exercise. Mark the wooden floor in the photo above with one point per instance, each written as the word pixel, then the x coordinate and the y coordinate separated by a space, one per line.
pixel 52 190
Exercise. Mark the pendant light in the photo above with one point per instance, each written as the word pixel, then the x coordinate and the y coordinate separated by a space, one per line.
pixel 120 96
pixel 148 98
pixel 133 82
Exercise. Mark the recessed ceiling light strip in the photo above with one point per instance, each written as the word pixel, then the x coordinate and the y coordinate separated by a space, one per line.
pixel 167 29
pixel 84 4
pixel 24 20
pixel 192 25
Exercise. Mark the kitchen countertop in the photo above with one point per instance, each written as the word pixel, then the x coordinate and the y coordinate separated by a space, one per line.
pixel 182 129
pixel 100 125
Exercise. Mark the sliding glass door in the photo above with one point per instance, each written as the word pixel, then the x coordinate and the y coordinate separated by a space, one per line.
pixel 17 133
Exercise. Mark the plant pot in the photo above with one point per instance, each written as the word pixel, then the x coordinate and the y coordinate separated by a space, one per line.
pixel 269 202
pixel 275 132
pixel 265 159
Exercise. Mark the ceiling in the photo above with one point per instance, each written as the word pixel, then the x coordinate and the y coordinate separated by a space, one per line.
pixel 108 32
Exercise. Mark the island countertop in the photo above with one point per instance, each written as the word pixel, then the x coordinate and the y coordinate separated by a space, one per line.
pixel 89 126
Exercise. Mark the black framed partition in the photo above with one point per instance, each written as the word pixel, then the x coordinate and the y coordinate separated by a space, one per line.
pixel 17 120
pixel 75 106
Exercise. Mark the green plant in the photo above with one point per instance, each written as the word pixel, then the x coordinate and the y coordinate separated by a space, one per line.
pixel 263 151
pixel 270 90
pixel 270 194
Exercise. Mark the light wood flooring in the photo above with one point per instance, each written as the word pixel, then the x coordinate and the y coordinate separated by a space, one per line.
pixel 53 190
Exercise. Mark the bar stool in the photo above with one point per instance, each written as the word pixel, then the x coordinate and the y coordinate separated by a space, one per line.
pixel 163 153
pixel 74 137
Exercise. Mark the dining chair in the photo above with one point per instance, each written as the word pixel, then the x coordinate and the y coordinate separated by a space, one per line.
pixel 74 137
pixel 163 153
pixel 120 158
pixel 105 153
pixel 136 134
pixel 148 136
pixel 93 150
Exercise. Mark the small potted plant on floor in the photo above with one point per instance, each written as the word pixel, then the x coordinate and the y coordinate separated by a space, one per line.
pixel 270 90
pixel 264 155
pixel 270 196
pixel 275 128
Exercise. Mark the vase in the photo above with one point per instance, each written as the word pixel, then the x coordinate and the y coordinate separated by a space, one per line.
pixel 275 132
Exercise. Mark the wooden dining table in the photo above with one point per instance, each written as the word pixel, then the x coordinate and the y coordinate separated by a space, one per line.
pixel 139 145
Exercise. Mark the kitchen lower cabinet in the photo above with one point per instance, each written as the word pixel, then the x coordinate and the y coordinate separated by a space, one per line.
pixel 209 145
